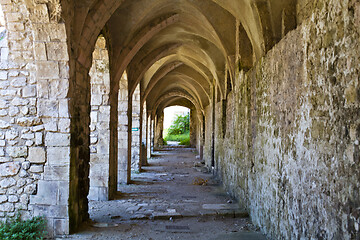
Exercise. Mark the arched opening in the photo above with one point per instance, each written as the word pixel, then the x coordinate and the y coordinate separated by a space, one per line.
pixel 176 126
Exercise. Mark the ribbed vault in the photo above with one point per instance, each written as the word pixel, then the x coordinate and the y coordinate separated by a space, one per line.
pixel 182 46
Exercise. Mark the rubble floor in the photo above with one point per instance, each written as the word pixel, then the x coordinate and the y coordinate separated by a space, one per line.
pixel 174 197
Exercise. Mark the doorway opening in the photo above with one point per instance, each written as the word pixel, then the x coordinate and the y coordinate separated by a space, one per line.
pixel 176 130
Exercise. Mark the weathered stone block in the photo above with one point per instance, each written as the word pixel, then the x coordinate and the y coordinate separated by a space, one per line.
pixel 57 139
pixel 37 155
pixel 18 82
pixel 59 88
pixel 64 125
pixel 17 152
pixel 38 138
pixel 63 108
pixel 47 70
pixel 14 27
pixel 3 198
pixel 13 198
pixel 27 136
pixel 61 226
pixel 30 189
pixel 40 51
pixel 7 182
pixel 9 169
pixel 57 51
pixel 29 91
pixel 46 194
pixel 96 99
pixel 58 156
pixel 25 165
pixel 4 124
pixel 24 199
pixel 28 121
pixel 3 75
pixel 23 173
pixel 48 108
pixel 13 17
pixel 94 116
pixel 50 125
pixel 13 111
pixel 5 159
pixel 56 173
pixel 21 182
pixel 40 14
pixel 4 54
pixel 19 101
pixel 56 211
pixel 11 134
pixel 7 207
pixel 57 32
pixel 36 169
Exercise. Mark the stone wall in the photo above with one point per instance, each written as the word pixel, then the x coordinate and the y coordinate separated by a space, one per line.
pixel 34 115
pixel 291 153
pixel 100 122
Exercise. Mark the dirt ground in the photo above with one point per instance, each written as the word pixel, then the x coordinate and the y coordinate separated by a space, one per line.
pixel 172 198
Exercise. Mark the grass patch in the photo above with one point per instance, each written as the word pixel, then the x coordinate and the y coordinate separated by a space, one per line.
pixel 15 228
pixel 185 142
pixel 184 138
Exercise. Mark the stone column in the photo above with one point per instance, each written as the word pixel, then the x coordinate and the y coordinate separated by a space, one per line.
pixel 123 131
pixel 100 121
pixel 158 134
pixel 135 142
pixel 193 127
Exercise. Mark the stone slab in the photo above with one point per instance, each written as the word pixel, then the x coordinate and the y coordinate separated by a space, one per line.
pixel 241 236
pixel 220 206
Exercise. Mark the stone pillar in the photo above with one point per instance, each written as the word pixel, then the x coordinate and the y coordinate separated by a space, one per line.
pixel 129 143
pixel 135 141
pixel 148 134
pixel 100 120
pixel 193 127
pixel 152 134
pixel 143 135
pixel 123 131
pixel 158 134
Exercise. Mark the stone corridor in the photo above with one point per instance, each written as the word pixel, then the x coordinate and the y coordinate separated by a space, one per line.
pixel 273 89
pixel 168 200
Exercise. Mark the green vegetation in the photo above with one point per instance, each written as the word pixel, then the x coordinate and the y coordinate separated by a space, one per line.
pixel 17 229
pixel 179 130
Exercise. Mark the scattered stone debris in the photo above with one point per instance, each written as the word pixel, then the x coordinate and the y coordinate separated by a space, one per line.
pixel 200 181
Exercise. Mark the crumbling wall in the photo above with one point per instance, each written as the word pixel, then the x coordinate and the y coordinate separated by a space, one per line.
pixel 293 155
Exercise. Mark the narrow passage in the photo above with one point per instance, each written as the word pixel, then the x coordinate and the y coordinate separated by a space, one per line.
pixel 172 198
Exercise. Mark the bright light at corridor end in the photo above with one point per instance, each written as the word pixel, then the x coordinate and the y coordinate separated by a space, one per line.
pixel 171 112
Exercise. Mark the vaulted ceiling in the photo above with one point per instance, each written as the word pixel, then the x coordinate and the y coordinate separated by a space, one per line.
pixel 182 50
